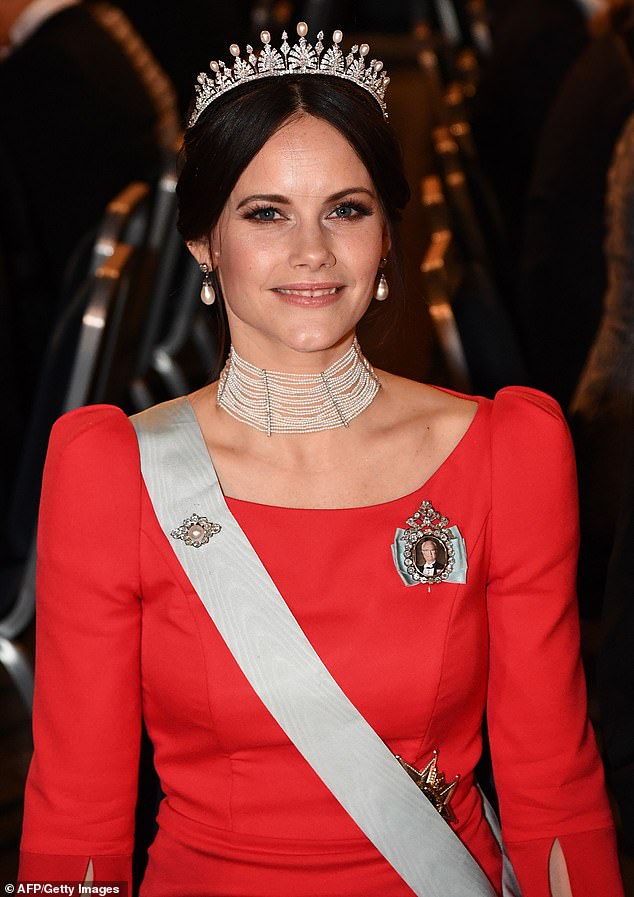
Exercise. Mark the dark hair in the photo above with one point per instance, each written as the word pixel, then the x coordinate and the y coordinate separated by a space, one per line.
pixel 234 128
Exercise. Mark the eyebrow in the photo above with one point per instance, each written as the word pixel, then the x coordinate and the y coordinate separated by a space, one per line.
pixel 284 200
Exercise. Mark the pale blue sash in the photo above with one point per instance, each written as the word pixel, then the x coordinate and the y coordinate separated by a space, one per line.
pixel 286 672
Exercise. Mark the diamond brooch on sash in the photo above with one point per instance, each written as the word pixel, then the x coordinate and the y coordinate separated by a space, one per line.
pixel 433 785
pixel 195 531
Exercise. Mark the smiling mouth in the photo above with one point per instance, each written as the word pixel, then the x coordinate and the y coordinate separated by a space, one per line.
pixel 309 294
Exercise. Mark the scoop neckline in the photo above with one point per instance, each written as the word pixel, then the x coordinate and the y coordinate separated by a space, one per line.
pixel 245 502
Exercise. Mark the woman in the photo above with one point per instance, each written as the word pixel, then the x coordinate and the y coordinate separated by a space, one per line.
pixel 289 197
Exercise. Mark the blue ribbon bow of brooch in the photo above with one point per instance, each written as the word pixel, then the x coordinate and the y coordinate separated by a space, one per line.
pixel 429 550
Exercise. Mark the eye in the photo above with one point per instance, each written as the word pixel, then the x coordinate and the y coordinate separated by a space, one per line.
pixel 350 210
pixel 263 213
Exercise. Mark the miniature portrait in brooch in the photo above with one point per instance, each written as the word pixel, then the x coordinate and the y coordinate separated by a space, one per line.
pixel 429 550
pixel 430 556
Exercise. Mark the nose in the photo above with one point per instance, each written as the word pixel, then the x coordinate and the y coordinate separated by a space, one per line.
pixel 311 247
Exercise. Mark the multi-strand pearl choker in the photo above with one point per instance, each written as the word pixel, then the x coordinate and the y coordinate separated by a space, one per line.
pixel 276 402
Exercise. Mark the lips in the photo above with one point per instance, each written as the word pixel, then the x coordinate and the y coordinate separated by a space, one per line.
pixel 309 294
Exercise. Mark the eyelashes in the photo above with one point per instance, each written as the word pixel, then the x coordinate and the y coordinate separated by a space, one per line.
pixel 359 209
pixel 261 213
pixel 349 210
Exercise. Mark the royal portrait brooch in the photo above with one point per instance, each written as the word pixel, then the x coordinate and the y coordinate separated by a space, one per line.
pixel 429 550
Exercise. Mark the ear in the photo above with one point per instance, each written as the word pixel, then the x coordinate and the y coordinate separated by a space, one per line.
pixel 200 250
pixel 214 248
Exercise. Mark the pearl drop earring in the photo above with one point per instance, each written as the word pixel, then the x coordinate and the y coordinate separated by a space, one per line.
pixel 207 292
pixel 382 288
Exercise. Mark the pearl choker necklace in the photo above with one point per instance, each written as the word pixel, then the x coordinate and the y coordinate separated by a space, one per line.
pixel 276 402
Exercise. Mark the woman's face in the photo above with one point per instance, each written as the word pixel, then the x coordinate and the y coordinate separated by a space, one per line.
pixel 297 248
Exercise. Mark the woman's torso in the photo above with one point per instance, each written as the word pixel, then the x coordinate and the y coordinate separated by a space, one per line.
pixel 240 800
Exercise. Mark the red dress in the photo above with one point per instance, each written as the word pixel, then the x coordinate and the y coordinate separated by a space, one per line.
pixel 121 633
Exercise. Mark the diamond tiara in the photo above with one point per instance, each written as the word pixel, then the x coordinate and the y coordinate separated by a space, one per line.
pixel 300 59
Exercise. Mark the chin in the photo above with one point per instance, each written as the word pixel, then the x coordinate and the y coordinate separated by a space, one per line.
pixel 311 341
pixel 318 336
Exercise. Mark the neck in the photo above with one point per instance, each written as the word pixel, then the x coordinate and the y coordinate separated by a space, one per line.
pixel 291 402
pixel 278 357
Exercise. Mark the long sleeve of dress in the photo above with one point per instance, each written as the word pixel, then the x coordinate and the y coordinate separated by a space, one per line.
pixel 82 783
pixel 547 770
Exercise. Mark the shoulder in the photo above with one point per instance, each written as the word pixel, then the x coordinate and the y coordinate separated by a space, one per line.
pixel 531 448
pixel 92 467
pixel 410 401
pixel 527 416
pixel 101 427
pixel 93 444
pixel 90 510
pixel 515 410
pixel 421 422
pixel 522 405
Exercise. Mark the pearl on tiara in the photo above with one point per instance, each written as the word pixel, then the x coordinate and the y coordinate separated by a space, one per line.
pixel 302 58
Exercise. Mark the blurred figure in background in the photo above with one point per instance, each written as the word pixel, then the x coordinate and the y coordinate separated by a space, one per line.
pixel 601 409
pixel 534 44
pixel 80 120
pixel 562 277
